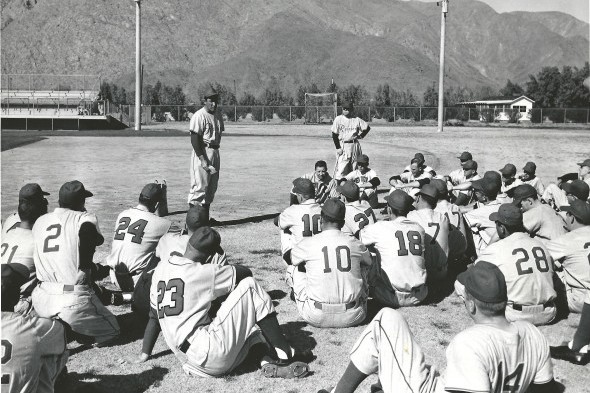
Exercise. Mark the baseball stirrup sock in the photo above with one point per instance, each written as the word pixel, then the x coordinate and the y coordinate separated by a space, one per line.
pixel 582 336
pixel 350 380
pixel 272 332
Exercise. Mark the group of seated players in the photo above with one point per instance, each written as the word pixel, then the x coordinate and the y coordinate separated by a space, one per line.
pixel 516 252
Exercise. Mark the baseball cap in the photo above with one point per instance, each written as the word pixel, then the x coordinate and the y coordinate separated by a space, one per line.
pixel 470 164
pixel 429 190
pixel 196 217
pixel 363 159
pixel 207 240
pixel 420 156
pixel 334 208
pixel 349 189
pixel 303 186
pixel 485 282
pixel 151 192
pixel 400 200
pixel 488 186
pixel 31 192
pixel 578 188
pixel 347 104
pixel 508 170
pixel 441 186
pixel 530 168
pixel 465 156
pixel 507 214
pixel 586 162
pixel 73 192
pixel 523 191
pixel 493 177
pixel 580 210
pixel 210 93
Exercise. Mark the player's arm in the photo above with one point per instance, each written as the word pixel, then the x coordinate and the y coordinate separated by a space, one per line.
pixel 549 387
pixel 417 183
pixel 461 187
pixel 365 128
pixel 90 238
pixel 150 336
pixel 374 182
pixel 199 148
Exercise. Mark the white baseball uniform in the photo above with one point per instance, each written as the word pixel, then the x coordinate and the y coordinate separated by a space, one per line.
pixel 537 183
pixel 572 250
pixel 408 177
pixel 299 221
pixel 10 222
pixel 485 358
pixel 182 292
pixel 137 232
pixel 458 230
pixel 332 292
pixel 398 276
pixel 204 184
pixel 425 168
pixel 359 178
pixel 323 189
pixel 436 242
pixel 544 223
pixel 478 221
pixel 33 353
pixel 348 131
pixel 64 291
pixel 358 215
pixel 528 269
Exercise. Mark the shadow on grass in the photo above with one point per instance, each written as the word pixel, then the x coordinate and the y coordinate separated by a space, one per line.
pixel 277 294
pixel 300 339
pixel 239 221
pixel 105 383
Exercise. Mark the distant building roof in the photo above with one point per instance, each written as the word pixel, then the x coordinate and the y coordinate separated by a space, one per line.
pixel 496 101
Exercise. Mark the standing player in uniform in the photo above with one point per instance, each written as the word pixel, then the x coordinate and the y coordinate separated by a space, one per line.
pixel 206 127
pixel 137 232
pixel 398 276
pixel 346 131
pixel 359 213
pixel 331 291
pixel 366 179
pixel 325 186
pixel 65 242
pixel 33 349
pixel 181 295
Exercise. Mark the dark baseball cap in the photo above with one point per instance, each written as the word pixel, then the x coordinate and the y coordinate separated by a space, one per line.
pixel 347 104
pixel 303 186
pixel 420 157
pixel 31 192
pixel 349 189
pixel 465 156
pixel 363 159
pixel 485 282
pixel 196 217
pixel 210 93
pixel 507 214
pixel 441 186
pixel 470 164
pixel 400 200
pixel 207 240
pixel 580 210
pixel 486 185
pixel 493 177
pixel 586 162
pixel 334 208
pixel 73 192
pixel 508 170
pixel 523 191
pixel 530 167
pixel 151 192
pixel 429 190
pixel 578 188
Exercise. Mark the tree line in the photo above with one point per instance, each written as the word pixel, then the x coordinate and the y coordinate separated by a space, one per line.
pixel 550 88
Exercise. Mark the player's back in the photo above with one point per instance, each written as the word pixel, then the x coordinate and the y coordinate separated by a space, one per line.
pixel 358 215
pixel 485 358
pixel 399 245
pixel 174 243
pixel 137 233
pixel 18 249
pixel 9 223
pixel 527 267
pixel 457 230
pixel 57 241
pixel 478 220
pixel 544 222
pixel 302 220
pixel 436 242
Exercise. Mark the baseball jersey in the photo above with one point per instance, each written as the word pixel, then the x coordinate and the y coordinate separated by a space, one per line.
pixel 485 358
pixel 457 177
pixel 358 177
pixel 400 245
pixel 300 221
pixel 436 241
pixel 333 263
pixel 10 223
pixel 17 250
pixel 537 183
pixel 208 125
pixel 137 232
pixel 457 230
pixel 323 189
pixel 57 242
pixel 26 339
pixel 182 291
pixel 427 169
pixel 478 220
pixel 358 215
pixel 174 243
pixel 572 249
pixel 348 129
pixel 527 267
pixel 543 222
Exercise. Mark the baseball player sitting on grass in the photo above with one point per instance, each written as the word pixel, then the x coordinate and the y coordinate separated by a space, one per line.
pixel 18 245
pixel 33 349
pixel 367 180
pixel 422 163
pixel 458 176
pixel 329 284
pixel 325 186
pixel 346 132
pixel 555 195
pixel 529 176
pixel 571 253
pixel 137 232
pixel 359 213
pixel 477 220
pixel 65 242
pixel 509 180
pixel 181 295
pixel 397 277
pixel 410 182
pixel 462 191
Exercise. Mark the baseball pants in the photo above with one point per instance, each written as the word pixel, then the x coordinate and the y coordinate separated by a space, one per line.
pixel 381 290
pixel 537 315
pixel 345 161
pixel 51 367
pixel 555 194
pixel 221 346
pixel 388 348
pixel 204 184
pixel 79 307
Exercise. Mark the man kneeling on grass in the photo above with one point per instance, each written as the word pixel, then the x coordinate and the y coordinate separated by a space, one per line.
pixel 181 294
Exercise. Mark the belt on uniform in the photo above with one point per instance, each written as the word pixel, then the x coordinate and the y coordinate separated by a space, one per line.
pixel 211 146
pixel 184 346
pixel 320 305
pixel 352 141
pixel 519 307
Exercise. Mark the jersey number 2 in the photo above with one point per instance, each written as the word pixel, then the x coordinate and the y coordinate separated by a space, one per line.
pixel 137 229
pixel 6 356
pixel 46 246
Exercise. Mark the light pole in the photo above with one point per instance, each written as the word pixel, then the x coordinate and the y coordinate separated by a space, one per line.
pixel 138 65
pixel 441 72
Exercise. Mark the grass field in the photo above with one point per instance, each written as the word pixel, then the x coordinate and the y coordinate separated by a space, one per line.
pixel 257 166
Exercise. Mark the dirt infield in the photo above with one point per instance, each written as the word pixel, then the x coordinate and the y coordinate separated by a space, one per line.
pixel 257 167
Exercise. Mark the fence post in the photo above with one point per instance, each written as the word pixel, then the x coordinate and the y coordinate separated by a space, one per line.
pixel 564 115
pixel 235 113
pixel 445 115
pixel 541 115
pixel 468 114
pixel 290 115
pixel 263 113
pixel 587 116
pixel 369 113
pixel 420 113
pixel 394 118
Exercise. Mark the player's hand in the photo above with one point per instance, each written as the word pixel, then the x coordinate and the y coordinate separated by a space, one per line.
pixel 339 152
pixel 205 165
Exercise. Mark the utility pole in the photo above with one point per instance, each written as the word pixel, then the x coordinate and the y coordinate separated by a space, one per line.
pixel 441 73
pixel 138 65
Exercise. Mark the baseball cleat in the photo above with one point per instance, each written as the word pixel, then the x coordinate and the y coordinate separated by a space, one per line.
pixel 285 369
pixel 564 352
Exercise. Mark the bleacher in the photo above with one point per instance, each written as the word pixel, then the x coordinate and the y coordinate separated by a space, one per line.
pixel 48 102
